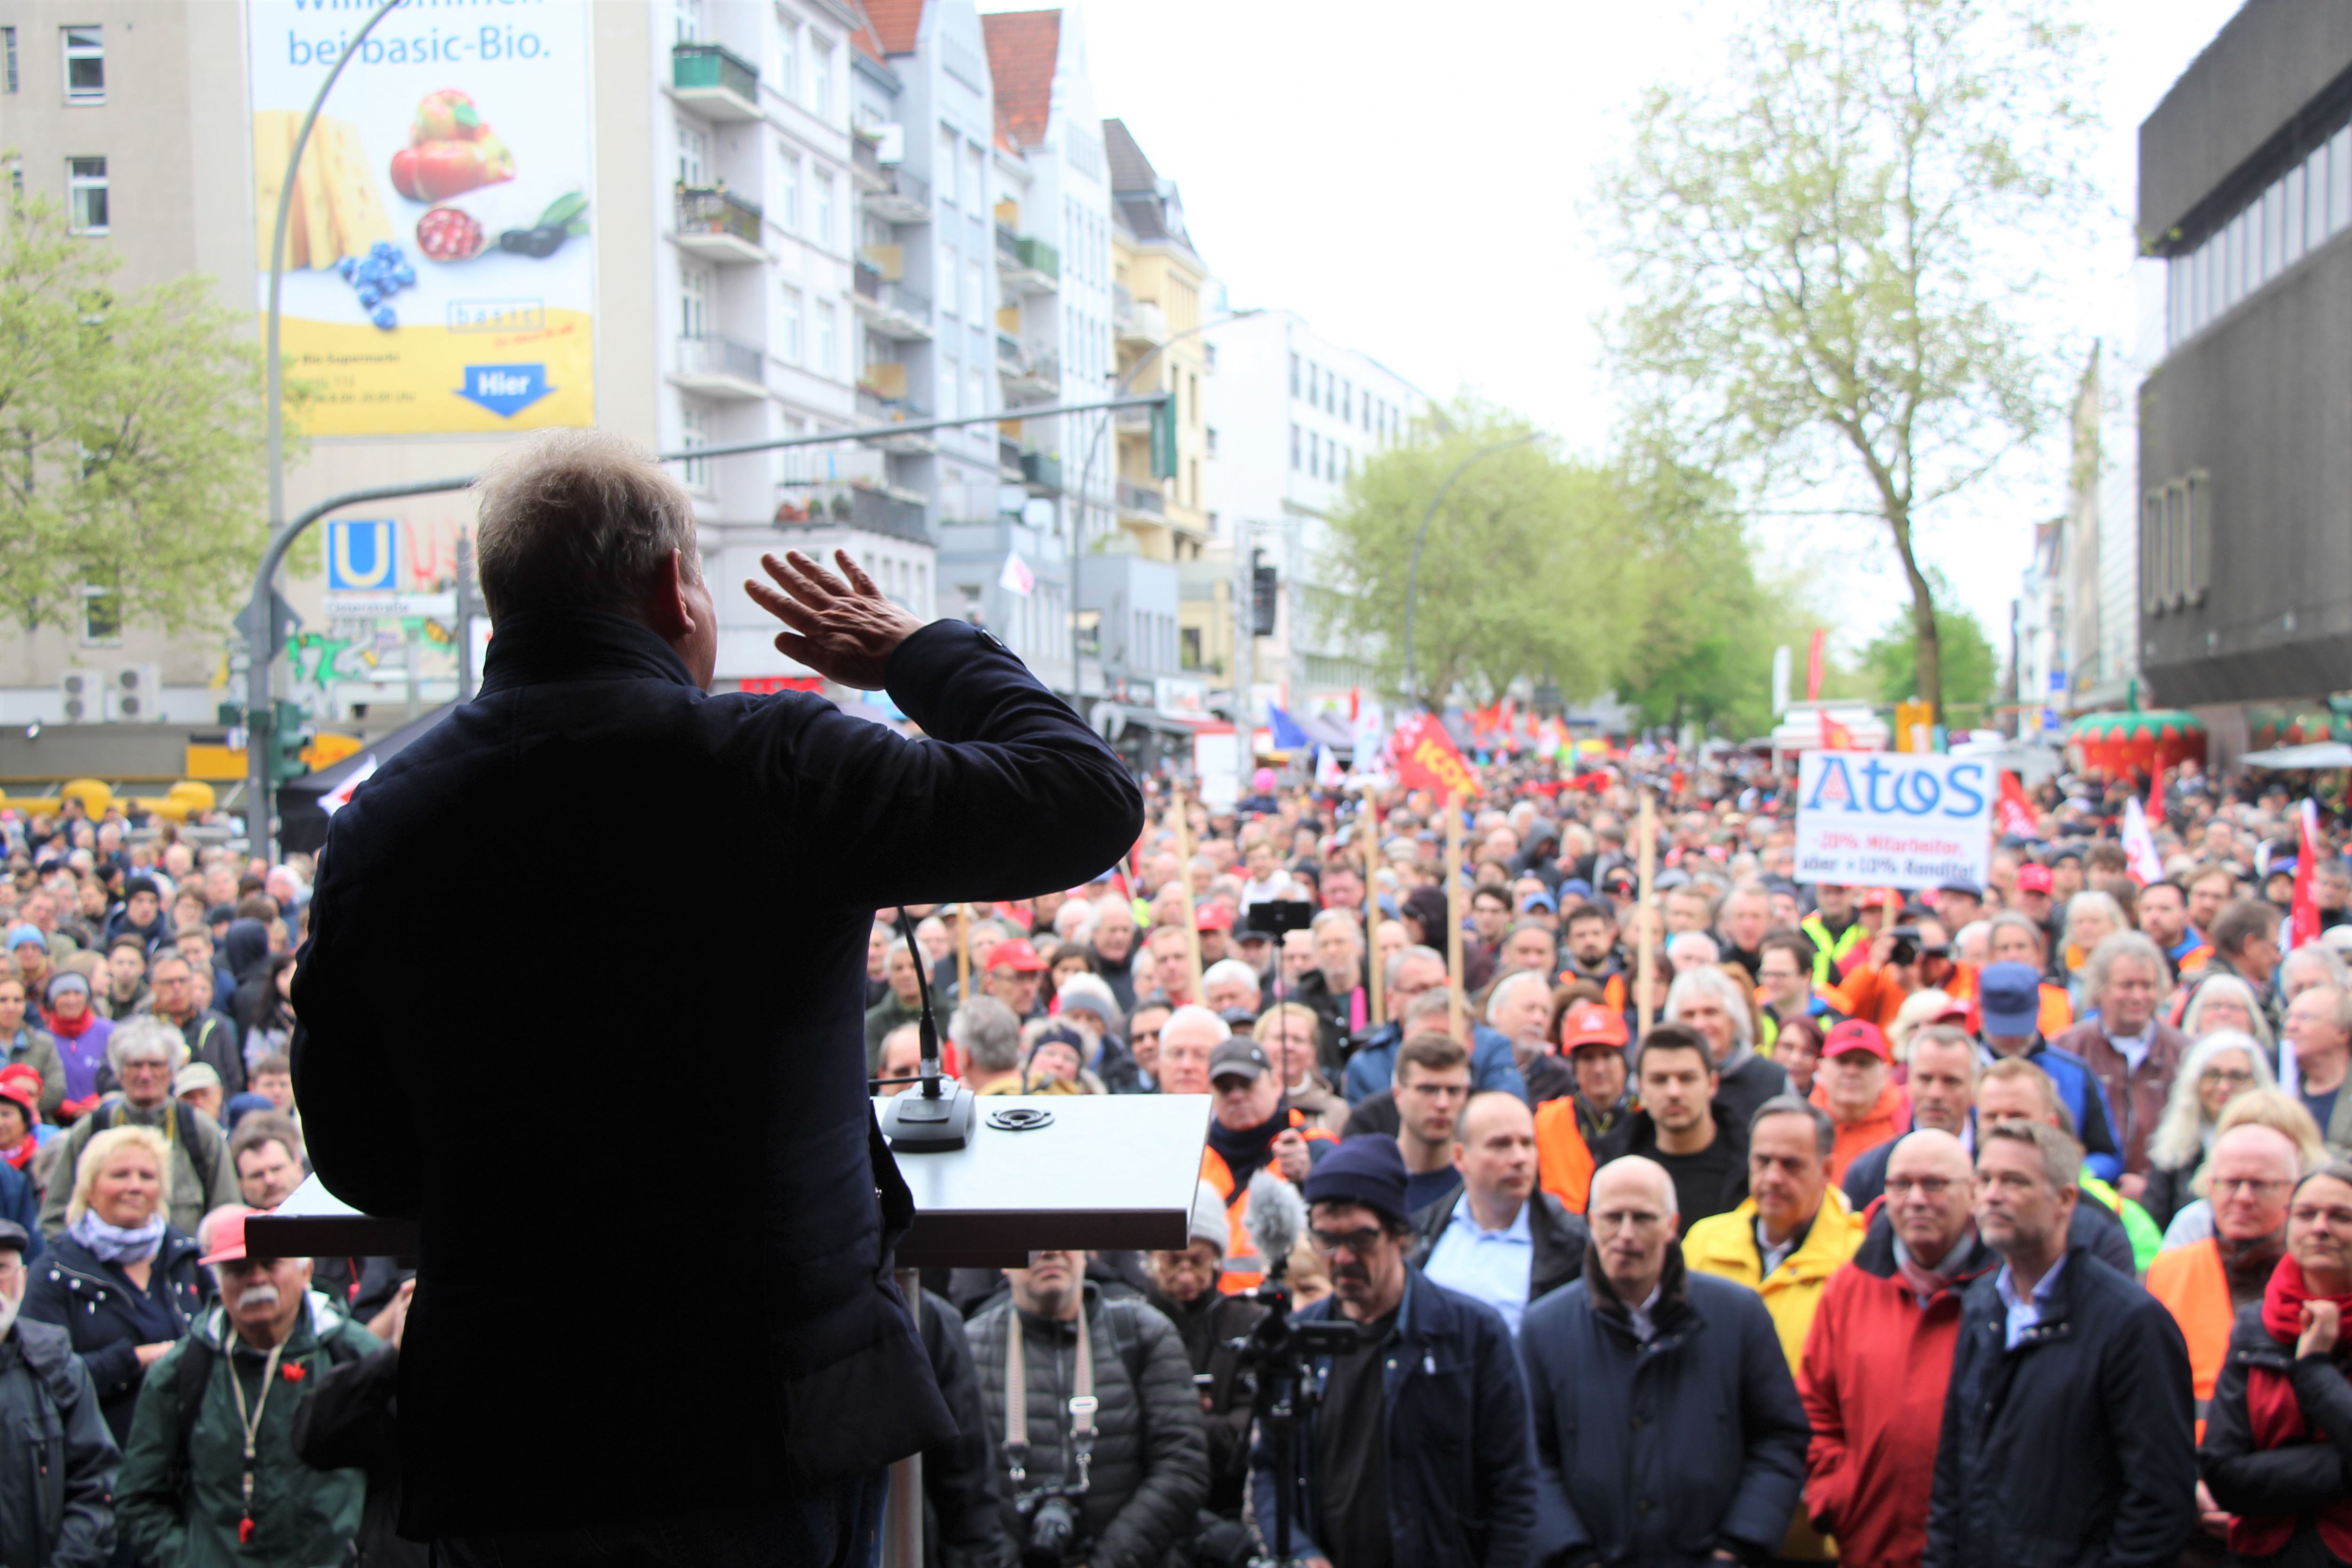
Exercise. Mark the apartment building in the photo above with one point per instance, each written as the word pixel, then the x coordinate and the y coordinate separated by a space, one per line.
pixel 1295 418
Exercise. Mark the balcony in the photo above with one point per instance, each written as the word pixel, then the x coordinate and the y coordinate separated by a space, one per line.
pixel 722 368
pixel 1135 420
pixel 1026 266
pixel 1027 372
pixel 892 310
pixel 1008 459
pixel 1009 358
pixel 866 163
pixel 1142 322
pixel 718 224
pixel 881 400
pixel 714 81
pixel 1042 473
pixel 1142 500
pixel 903 197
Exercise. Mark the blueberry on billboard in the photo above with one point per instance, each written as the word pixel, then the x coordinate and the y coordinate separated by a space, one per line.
pixel 438 277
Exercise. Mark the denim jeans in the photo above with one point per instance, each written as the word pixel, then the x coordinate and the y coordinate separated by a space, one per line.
pixel 839 1527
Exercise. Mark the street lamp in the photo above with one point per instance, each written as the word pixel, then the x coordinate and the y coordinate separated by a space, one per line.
pixel 260 632
pixel 1086 480
pixel 1412 570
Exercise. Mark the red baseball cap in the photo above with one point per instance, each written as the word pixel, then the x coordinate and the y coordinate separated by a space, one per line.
pixel 2033 879
pixel 1213 916
pixel 228 1240
pixel 1856 1035
pixel 1591 1024
pixel 1015 953
pixel 22 1084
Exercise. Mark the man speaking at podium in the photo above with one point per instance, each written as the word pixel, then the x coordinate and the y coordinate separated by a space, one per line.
pixel 732 1394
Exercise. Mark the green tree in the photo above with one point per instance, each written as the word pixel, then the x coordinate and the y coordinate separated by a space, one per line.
pixel 1890 664
pixel 130 437
pixel 1518 576
pixel 1829 255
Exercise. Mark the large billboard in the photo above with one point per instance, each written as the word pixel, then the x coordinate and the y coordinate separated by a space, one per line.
pixel 438 275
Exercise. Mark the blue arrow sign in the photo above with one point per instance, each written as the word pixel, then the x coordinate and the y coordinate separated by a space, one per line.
pixel 506 390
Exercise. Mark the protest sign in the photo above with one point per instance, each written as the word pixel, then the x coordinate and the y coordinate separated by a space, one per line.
pixel 1889 819
pixel 1426 759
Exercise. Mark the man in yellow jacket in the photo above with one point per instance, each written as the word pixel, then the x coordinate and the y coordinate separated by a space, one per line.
pixel 1784 1242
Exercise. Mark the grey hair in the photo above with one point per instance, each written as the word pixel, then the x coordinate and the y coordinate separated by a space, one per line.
pixel 1396 961
pixel 2179 1137
pixel 2193 1017
pixel 2123 944
pixel 1326 918
pixel 1707 978
pixel 146 1036
pixel 1230 969
pixel 2090 902
pixel 986 1030
pixel 1512 982
pixel 2061 1155
pixel 1824 1129
pixel 1694 947
pixel 576 520
pixel 2327 958
pixel 2018 921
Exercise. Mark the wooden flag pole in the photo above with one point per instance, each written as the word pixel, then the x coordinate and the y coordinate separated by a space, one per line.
pixel 1372 976
pixel 1184 881
pixel 1645 944
pixel 1452 809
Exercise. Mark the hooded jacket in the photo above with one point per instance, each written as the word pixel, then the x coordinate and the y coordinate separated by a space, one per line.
pixel 2074 1449
pixel 1873 1379
pixel 1659 1454
pixel 58 1467
pixel 807 1371
pixel 1150 1472
pixel 1461 1480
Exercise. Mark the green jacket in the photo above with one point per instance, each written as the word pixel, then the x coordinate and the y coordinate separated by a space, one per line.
pixel 2146 1236
pixel 302 1518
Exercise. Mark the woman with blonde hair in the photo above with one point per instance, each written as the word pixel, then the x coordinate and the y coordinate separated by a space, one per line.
pixel 2274 1107
pixel 120 1279
pixel 1921 1007
pixel 2216 1069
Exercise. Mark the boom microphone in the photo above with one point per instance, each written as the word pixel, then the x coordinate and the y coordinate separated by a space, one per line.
pixel 1277 1219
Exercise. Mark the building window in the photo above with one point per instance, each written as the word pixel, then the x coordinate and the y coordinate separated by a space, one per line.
pixel 821 78
pixel 693 157
pixel 788 189
pixel 85 203
pixel 85 51
pixel 821 229
pixel 685 20
pixel 1211 438
pixel 8 59
pixel 1293 446
pixel 788 59
pixel 1347 401
pixel 101 617
pixel 694 288
pixel 788 325
pixel 824 345
pixel 694 434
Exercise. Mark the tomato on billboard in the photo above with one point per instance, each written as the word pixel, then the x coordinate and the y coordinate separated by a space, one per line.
pixel 438 277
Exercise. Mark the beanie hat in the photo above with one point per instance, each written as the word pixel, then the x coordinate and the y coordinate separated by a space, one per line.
pixel 1208 1218
pixel 138 884
pixel 1366 1171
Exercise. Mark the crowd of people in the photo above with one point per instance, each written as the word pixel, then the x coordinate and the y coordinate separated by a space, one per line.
pixel 1747 1221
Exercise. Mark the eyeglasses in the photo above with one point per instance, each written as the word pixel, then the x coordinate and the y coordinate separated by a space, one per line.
pixel 2225 1074
pixel 1356 1241
pixel 1926 1186
pixel 2222 1186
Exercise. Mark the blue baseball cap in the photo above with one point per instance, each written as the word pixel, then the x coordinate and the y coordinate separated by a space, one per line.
pixel 2011 997
pixel 1539 899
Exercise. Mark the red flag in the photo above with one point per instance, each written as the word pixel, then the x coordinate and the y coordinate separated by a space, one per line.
pixel 1814 667
pixel 2302 919
pixel 2012 813
pixel 1426 759
pixel 1835 737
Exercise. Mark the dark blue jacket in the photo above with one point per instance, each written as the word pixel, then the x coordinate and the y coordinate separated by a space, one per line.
pixel 2076 1449
pixel 1461 1484
pixel 1659 1455
pixel 433 1101
pixel 1493 1064
pixel 109 1319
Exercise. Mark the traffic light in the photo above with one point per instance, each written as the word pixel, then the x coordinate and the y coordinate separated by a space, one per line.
pixel 288 734
pixel 1264 591
pixel 1163 440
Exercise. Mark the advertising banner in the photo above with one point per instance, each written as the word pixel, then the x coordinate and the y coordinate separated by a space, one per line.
pixel 438 276
pixel 1894 819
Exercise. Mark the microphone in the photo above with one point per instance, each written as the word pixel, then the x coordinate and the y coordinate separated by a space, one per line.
pixel 937 1118
pixel 1277 1219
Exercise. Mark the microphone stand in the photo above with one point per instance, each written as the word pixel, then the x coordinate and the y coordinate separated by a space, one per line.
pixel 937 1118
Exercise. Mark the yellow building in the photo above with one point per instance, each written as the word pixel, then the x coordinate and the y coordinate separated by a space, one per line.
pixel 1157 309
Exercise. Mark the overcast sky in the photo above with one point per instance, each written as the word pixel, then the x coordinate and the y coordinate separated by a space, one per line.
pixel 1418 189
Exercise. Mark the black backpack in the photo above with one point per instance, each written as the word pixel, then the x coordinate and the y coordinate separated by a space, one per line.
pixel 196 1370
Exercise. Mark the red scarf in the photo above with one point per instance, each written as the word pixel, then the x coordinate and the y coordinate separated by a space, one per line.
pixel 22 1154
pixel 2275 1417
pixel 72 1028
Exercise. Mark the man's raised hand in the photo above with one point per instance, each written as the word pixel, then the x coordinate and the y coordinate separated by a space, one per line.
pixel 844 631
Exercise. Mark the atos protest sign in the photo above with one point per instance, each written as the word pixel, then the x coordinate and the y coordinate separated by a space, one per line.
pixel 1426 759
pixel 1891 819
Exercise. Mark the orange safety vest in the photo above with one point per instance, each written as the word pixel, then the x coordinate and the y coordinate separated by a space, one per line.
pixel 1563 1162
pixel 2188 1280
pixel 1244 1269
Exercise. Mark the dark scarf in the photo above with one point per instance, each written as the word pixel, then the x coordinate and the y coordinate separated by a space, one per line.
pixel 2250 1265
pixel 1245 1151
pixel 1674 1289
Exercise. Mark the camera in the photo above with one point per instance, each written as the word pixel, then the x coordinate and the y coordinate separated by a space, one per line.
pixel 1906 945
pixel 1053 1519
pixel 1277 916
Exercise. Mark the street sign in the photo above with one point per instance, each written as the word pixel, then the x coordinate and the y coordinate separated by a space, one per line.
pixel 1894 819
pixel 362 554
pixel 438 606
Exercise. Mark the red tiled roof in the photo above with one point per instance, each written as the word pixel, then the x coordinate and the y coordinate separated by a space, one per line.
pixel 1022 46
pixel 862 38
pixel 895 23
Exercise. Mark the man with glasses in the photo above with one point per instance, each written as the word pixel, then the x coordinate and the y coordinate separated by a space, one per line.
pixel 2067 1428
pixel 1880 1352
pixel 1666 1427
pixel 210 1038
pixel 1143 1026
pixel 2319 1040
pixel 1416 1452
pixel 1250 1129
pixel 2249 1179
pixel 1432 1085
pixel 61 1484
pixel 1412 974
